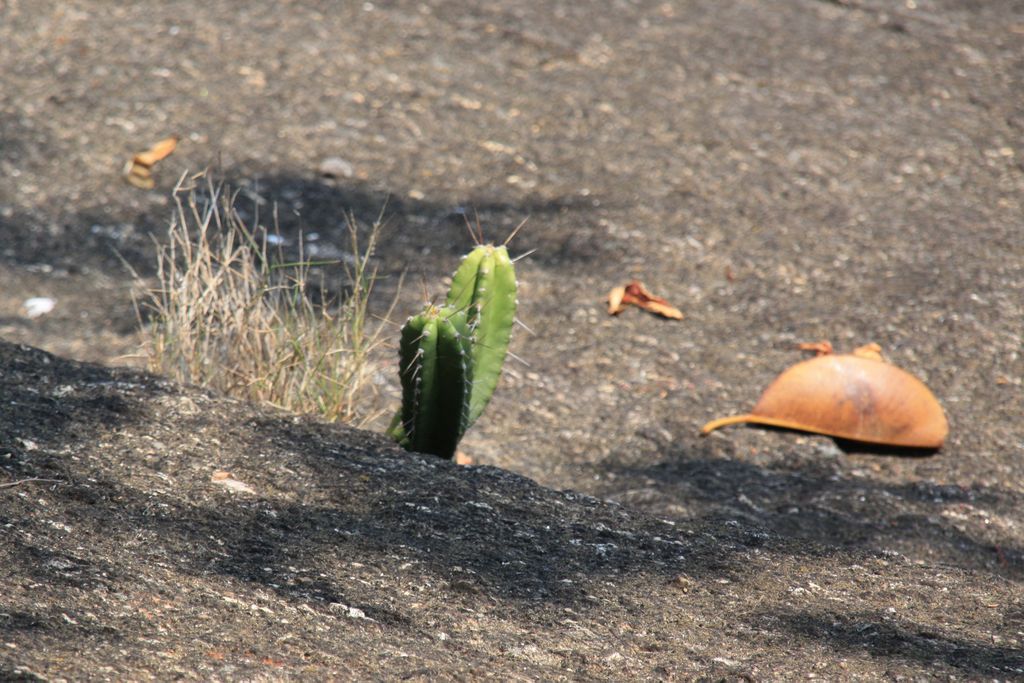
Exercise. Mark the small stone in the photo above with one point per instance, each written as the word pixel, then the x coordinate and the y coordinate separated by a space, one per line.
pixel 682 583
pixel 336 167
pixel 226 480
pixel 37 306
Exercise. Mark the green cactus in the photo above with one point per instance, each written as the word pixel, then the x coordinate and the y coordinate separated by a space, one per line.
pixel 436 373
pixel 450 356
pixel 485 287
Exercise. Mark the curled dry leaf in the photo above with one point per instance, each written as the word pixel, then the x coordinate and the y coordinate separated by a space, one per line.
pixel 138 171
pixel 615 300
pixel 637 294
pixel 821 348
pixel 872 351
pixel 855 396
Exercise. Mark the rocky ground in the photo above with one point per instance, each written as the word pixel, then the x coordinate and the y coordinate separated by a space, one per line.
pixel 782 172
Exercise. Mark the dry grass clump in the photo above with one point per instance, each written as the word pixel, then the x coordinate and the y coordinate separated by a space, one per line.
pixel 231 313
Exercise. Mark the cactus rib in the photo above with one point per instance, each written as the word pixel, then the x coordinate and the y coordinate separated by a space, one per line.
pixel 436 377
pixel 485 287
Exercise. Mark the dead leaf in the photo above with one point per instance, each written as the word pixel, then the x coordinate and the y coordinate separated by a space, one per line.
pixel 637 294
pixel 820 348
pixel 615 300
pixel 138 171
pixel 665 310
pixel 872 351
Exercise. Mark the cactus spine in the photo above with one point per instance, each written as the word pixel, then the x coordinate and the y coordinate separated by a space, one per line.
pixel 450 356
pixel 485 287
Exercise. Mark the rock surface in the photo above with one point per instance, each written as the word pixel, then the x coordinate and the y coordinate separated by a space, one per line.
pixel 782 172
pixel 126 556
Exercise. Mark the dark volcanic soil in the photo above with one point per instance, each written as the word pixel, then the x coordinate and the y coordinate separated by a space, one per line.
pixel 782 172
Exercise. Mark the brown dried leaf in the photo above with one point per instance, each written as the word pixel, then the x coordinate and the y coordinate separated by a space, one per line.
pixel 157 152
pixel 138 171
pixel 638 295
pixel 872 351
pixel 664 310
pixel 138 175
pixel 615 300
pixel 821 348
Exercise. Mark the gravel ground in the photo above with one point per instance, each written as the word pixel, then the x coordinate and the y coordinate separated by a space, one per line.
pixel 782 172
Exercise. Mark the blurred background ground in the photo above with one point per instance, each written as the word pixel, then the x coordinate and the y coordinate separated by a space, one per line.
pixel 781 173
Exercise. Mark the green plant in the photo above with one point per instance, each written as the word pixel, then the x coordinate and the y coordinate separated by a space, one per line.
pixel 451 356
pixel 436 371
pixel 234 314
pixel 485 286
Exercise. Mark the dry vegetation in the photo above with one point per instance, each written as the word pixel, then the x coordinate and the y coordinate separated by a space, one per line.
pixel 232 312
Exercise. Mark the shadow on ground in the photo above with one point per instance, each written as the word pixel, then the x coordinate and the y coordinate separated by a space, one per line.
pixel 498 533
pixel 815 497
pixel 419 236
pixel 886 636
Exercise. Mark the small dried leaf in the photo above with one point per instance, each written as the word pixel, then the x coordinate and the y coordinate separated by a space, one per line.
pixel 615 300
pixel 663 309
pixel 157 152
pixel 637 294
pixel 138 171
pixel 822 348
pixel 872 351
pixel 138 175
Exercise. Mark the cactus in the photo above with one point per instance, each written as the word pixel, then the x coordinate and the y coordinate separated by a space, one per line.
pixel 436 373
pixel 485 287
pixel 450 356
